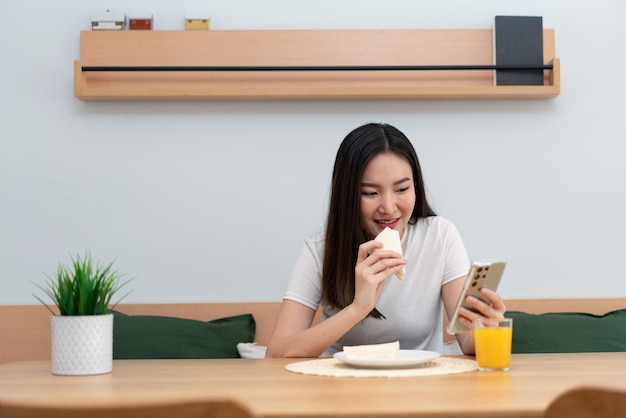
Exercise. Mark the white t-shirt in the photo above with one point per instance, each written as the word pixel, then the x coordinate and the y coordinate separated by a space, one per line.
pixel 412 307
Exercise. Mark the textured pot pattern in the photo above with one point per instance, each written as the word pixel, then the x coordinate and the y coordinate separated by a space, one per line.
pixel 82 345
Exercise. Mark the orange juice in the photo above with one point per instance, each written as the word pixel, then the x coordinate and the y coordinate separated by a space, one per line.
pixel 493 347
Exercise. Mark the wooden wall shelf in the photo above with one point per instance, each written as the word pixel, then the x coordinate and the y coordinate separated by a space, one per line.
pixel 298 48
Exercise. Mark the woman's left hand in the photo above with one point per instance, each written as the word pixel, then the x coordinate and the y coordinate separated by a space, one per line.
pixel 494 312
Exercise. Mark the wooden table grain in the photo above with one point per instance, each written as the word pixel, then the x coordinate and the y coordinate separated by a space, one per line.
pixel 271 391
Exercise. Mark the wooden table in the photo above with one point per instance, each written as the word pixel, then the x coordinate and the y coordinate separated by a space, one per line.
pixel 271 391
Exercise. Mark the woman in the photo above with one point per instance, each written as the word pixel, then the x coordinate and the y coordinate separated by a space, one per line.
pixel 377 183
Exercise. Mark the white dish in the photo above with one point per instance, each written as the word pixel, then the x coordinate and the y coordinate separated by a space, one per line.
pixel 405 358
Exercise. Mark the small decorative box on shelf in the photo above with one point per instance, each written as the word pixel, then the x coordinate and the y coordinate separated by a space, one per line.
pixel 140 21
pixel 299 64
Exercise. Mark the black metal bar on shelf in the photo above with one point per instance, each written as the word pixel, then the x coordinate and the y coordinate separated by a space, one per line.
pixel 319 68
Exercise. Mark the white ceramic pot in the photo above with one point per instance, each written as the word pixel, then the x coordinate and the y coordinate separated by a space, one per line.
pixel 82 345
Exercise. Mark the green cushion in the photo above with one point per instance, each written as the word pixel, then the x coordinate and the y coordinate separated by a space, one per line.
pixel 568 332
pixel 162 337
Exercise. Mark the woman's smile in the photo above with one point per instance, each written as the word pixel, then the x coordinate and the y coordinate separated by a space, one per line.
pixel 387 223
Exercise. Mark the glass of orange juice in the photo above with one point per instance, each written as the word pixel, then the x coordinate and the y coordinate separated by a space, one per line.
pixel 493 344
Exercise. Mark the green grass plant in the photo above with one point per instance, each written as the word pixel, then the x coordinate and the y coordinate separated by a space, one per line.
pixel 81 288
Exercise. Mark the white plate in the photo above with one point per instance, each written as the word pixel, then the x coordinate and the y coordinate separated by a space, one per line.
pixel 405 358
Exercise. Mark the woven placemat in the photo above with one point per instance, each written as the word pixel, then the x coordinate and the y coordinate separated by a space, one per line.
pixel 334 367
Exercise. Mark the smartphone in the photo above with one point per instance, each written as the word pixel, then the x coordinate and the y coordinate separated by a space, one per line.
pixel 481 274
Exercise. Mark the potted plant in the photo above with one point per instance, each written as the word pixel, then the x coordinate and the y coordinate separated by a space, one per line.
pixel 82 332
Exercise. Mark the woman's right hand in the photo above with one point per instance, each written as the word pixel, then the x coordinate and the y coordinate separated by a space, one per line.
pixel 373 267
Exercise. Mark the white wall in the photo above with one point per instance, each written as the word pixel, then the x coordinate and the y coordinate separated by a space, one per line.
pixel 210 201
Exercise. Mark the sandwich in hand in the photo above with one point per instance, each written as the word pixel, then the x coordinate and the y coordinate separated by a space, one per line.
pixel 390 238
